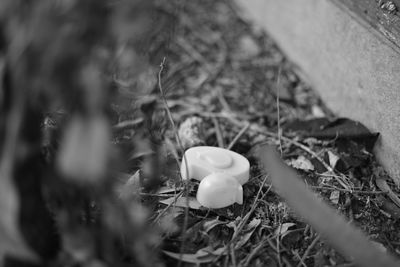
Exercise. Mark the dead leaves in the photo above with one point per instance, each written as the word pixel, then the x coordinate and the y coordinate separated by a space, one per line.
pixel 209 254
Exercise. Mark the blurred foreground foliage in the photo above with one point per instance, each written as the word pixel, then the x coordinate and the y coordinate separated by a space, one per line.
pixel 62 63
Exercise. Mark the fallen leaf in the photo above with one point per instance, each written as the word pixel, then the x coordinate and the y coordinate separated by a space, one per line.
pixel 333 159
pixel 191 202
pixel 301 163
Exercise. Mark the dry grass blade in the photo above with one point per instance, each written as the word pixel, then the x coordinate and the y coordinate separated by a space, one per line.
pixel 347 239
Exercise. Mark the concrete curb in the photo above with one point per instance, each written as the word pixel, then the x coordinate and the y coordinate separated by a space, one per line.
pixel 354 68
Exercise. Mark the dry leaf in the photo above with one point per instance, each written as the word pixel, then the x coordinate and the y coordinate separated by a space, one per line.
pixel 333 159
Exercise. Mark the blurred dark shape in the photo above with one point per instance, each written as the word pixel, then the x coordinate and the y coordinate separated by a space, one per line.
pixel 56 55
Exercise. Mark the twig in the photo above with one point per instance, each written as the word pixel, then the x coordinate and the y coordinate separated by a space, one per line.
pixel 284 259
pixel 237 137
pixel 167 207
pixel 178 140
pixel 308 250
pixel 301 263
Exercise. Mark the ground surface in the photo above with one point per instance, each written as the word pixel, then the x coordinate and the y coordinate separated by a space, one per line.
pixel 231 77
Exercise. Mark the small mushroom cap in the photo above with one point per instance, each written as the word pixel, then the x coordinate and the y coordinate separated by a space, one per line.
pixel 204 160
pixel 219 190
